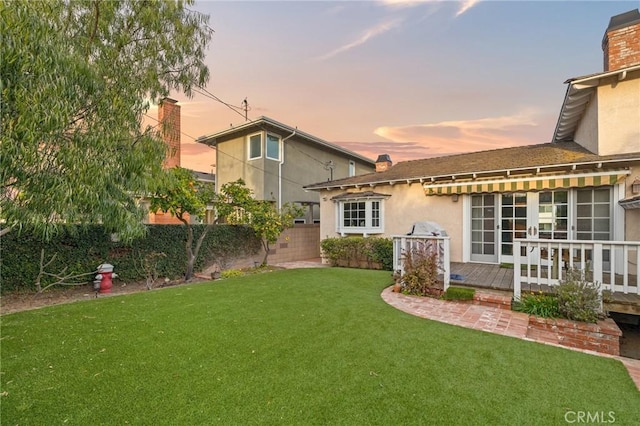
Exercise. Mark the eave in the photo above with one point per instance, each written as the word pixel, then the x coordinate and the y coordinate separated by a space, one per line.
pixel 578 95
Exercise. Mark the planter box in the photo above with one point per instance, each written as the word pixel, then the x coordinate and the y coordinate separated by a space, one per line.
pixel 604 336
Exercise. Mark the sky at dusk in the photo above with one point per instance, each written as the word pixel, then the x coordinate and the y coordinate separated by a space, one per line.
pixel 412 79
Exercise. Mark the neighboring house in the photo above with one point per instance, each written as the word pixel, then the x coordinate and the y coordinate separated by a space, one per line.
pixel 169 118
pixel 276 161
pixel 584 185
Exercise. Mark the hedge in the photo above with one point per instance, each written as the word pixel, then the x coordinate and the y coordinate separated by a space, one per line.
pixel 82 249
pixel 359 252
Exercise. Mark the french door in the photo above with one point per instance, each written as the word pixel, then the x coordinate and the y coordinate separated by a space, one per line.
pixel 498 219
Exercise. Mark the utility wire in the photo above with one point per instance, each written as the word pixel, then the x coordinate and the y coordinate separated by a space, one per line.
pixel 238 110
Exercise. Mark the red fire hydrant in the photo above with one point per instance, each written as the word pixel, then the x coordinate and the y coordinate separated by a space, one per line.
pixel 104 278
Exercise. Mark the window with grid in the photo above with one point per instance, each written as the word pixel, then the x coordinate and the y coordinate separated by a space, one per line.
pixel 553 215
pixel 593 214
pixel 355 215
pixel 360 217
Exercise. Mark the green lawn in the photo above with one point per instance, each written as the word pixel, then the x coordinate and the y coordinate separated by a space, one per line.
pixel 307 346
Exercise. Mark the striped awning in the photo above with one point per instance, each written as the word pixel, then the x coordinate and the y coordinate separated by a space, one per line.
pixel 534 183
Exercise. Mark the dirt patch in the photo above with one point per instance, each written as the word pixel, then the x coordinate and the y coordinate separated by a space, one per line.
pixel 23 301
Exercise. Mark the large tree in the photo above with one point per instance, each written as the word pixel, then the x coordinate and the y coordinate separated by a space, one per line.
pixel 76 79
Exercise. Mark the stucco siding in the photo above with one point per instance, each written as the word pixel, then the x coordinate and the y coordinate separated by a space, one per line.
pixel 408 204
pixel 587 130
pixel 618 116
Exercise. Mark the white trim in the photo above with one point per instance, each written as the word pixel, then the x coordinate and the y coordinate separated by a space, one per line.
pixel 466 228
pixel 368 228
pixel 618 214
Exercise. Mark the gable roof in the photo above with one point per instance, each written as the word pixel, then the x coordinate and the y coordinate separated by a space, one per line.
pixel 579 93
pixel 268 124
pixel 547 157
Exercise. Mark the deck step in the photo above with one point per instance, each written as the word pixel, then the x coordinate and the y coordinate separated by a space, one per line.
pixel 493 300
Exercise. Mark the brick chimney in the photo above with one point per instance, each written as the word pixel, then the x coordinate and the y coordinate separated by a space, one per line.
pixel 621 41
pixel 169 118
pixel 383 163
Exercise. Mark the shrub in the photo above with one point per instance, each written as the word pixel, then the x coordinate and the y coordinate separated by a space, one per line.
pixel 459 293
pixel 538 304
pixel 230 273
pixel 579 299
pixel 354 251
pixel 420 272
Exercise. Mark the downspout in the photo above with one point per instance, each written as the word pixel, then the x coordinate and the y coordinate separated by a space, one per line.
pixel 280 169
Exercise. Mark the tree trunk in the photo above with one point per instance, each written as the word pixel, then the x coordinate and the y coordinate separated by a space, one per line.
pixel 265 245
pixel 190 257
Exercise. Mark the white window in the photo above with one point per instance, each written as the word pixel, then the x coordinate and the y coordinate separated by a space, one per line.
pixel 360 216
pixel 255 146
pixel 352 168
pixel 593 214
pixel 273 147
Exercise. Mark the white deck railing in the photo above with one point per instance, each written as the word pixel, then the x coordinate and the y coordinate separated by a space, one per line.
pixel 611 264
pixel 404 244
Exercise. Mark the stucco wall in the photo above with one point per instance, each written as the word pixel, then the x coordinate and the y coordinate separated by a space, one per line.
pixel 618 118
pixel 408 204
pixel 587 130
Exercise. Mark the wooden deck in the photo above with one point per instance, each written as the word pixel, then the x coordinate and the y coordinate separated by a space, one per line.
pixel 494 277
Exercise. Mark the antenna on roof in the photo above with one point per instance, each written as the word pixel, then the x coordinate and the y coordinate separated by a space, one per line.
pixel 245 107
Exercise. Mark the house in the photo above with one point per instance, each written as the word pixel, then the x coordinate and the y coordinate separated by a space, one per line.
pixel 170 119
pixel 582 186
pixel 276 161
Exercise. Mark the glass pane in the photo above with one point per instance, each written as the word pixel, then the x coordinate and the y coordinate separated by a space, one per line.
pixel 476 248
pixel 521 212
pixel 507 249
pixel 255 146
pixel 488 224
pixel 561 211
pixel 561 197
pixel 476 200
pixel 489 236
pixel 584 210
pixel 601 210
pixel 601 225
pixel 584 225
pixel 476 236
pixel 488 200
pixel 561 224
pixel 475 212
pixel 601 195
pixel 488 249
pixel 476 224
pixel 545 197
pixel 507 200
pixel 507 211
pixel 584 196
pixel 273 147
